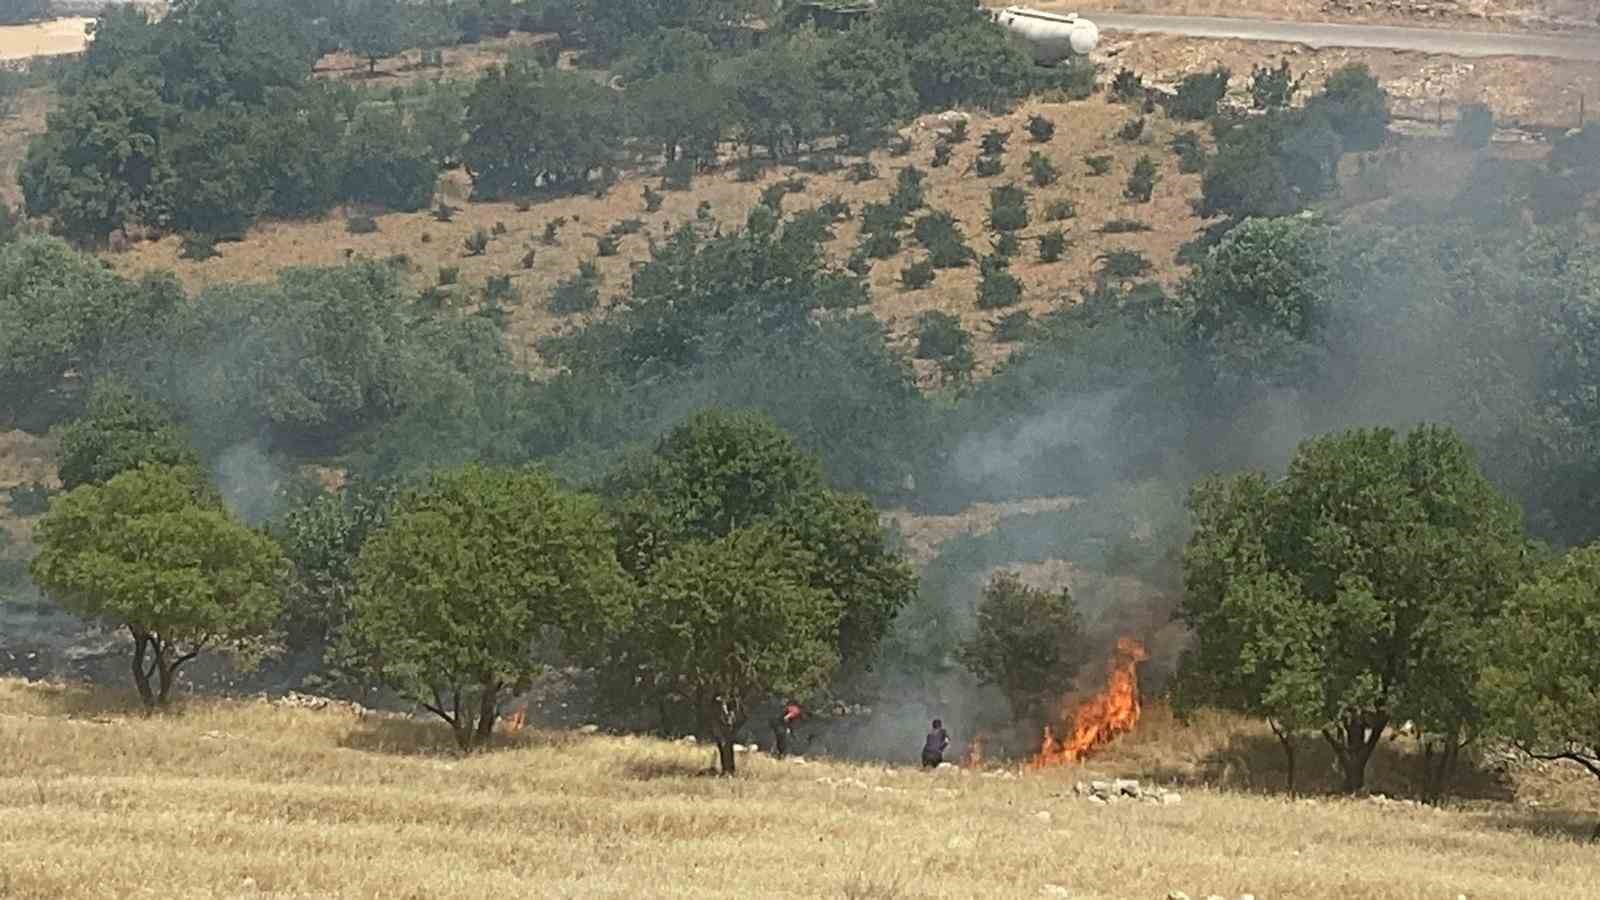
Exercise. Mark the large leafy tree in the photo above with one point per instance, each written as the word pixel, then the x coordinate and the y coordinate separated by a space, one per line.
pixel 1029 643
pixel 120 430
pixel 1356 106
pixel 152 551
pixel 1320 600
pixel 865 83
pixel 373 29
pixel 384 161
pixel 468 574
pixel 729 622
pixel 1542 685
pixel 528 128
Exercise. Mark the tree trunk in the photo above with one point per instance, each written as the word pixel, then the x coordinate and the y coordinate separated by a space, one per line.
pixel 465 733
pixel 1439 762
pixel 725 754
pixel 141 672
pixel 488 708
pixel 1286 738
pixel 1353 741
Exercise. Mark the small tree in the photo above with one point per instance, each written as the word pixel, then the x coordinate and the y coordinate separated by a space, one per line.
pixel 1008 208
pixel 1127 87
pixel 467 574
pixel 1029 643
pixel 1041 129
pixel 373 29
pixel 909 193
pixel 1474 125
pixel 121 430
pixel 1142 181
pixel 1042 170
pixel 1199 94
pixel 1052 244
pixel 917 275
pixel 993 142
pixel 997 287
pixel 152 551
pixel 1357 107
pixel 1272 88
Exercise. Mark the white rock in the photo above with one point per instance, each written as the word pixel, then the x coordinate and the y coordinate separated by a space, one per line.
pixel 1247 897
pixel 1055 890
pixel 1171 797
pixel 1096 798
pixel 1216 897
pixel 1126 787
pixel 589 729
pixel 1043 815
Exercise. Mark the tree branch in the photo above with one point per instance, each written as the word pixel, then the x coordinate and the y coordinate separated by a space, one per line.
pixel 1592 763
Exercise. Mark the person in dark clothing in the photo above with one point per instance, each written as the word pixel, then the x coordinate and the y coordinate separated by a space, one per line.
pixel 783 728
pixel 933 748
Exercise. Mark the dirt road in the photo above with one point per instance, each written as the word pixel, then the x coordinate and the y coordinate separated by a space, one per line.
pixel 1386 37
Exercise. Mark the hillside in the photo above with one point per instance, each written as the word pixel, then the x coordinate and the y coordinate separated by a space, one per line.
pixel 242 799
pixel 1467 14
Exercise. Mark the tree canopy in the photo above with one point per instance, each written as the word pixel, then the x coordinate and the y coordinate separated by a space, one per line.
pixel 1029 643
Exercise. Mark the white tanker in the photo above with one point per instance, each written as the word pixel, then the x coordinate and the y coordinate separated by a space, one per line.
pixel 1048 36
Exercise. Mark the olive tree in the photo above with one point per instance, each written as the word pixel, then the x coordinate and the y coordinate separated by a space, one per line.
pixel 1323 600
pixel 153 551
pixel 468 573
pixel 1029 643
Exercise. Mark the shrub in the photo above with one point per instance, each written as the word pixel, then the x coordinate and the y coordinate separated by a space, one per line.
pixel 1098 165
pixel 678 175
pixel 1052 245
pixel 1040 128
pixel 1041 170
pixel 499 229
pixel 449 275
pixel 578 293
pixel 997 287
pixel 900 146
pixel 861 172
pixel 499 290
pixel 748 170
pixel 30 499
pixel 1123 264
pixel 941 155
pixel 476 243
pixel 1013 327
pixel 1199 94
pixel 772 196
pixel 1008 208
pixel 880 244
pixel 988 166
pixel 361 225
pixel 1272 88
pixel 1006 244
pixel 523 204
pixel 882 217
pixel 917 276
pixel 993 142
pixel 1474 125
pixel 703 211
pixel 1060 210
pixel 198 247
pixel 1124 226
pixel 444 212
pixel 652 199
pixel 1191 156
pixel 940 335
pixel 1132 129
pixel 626 227
pixel 425 238
pixel 1142 183
pixel 1127 87
pixel 957 133
pixel 836 208
pixel 908 190
pixel 549 238
pixel 940 235
pixel 859 263
pixel 528 258
pixel 606 245
pixel 820 164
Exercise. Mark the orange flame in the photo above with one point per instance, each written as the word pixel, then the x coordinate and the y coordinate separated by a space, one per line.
pixel 973 758
pixel 513 723
pixel 1100 720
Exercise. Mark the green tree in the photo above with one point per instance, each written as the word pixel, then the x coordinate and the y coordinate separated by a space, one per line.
pixel 730 622
pixel 1318 600
pixel 1273 88
pixel 467 576
pixel 1356 106
pixel 777 101
pixel 152 551
pixel 384 161
pixel 19 12
pixel 527 129
pixel 1474 125
pixel 865 83
pixel 1029 643
pixel 1542 687
pixel 1199 93
pixel 120 430
pixel 976 65
pixel 373 29
pixel 208 182
pixel 684 114
pixel 1142 181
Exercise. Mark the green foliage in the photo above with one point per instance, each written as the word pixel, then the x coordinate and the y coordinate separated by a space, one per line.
pixel 1198 95
pixel 1052 244
pixel 606 245
pixel 1273 88
pixel 372 29
pixel 1029 643
pixel 1142 181
pixel 1006 244
pixel 1131 130
pixel 152 551
pixel 1338 599
pixel 997 287
pixel 527 128
pixel 988 166
pixel 1123 264
pixel 1040 128
pixel 862 172
pixel 466 575
pixel 1124 226
pixel 1098 165
pixel 940 234
pixel 1060 210
pixel 1474 125
pixel 972 65
pixel 917 275
pixel 1127 87
pixel 1272 165
pixel 909 193
pixel 941 155
pixel 776 100
pixel 939 335
pixel 993 142
pixel 28 499
pixel 385 162
pixel 652 199
pixel 119 431
pixel 1191 155
pixel 361 224
pixel 866 85
pixel 476 243
pixel 1013 327
pixel 1008 208
pixel 577 293
pixel 687 116
pixel 1042 170
pixel 21 12
pixel 1356 107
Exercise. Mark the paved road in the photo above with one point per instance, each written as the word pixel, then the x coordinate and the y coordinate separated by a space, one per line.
pixel 1317 34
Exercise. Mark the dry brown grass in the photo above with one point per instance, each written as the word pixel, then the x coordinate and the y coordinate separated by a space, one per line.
pixel 51 38
pixel 1473 15
pixel 241 799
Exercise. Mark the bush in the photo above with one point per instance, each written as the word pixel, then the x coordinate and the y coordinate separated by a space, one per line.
pixel 626 227
pixel 997 287
pixel 444 212
pixel 940 235
pixel 1356 106
pixel 1142 183
pixel 678 175
pixel 606 245
pixel 476 243
pixel 899 147
pixel 1199 94
pixel 1098 165
pixel 1060 210
pixel 957 133
pixel 198 247
pixel 1123 264
pixel 1013 327
pixel 1041 170
pixel 1474 125
pixel 579 293
pixel 1127 87
pixel 1040 128
pixel 652 199
pixel 1124 226
pixel 702 212
pixel 988 166
pixel 361 225
pixel 499 229
pixel 528 258
pixel 1052 245
pixel 880 244
pixel 549 238
pixel 993 142
pixel 30 499
pixel 940 335
pixel 1008 208
pixel 908 191
pixel 1132 129
pixel 862 172
pixel 449 275
pixel 1191 156
pixel 917 276
pixel 498 290
pixel 772 196
pixel 747 171
pixel 882 217
pixel 1006 244
pixel 836 208
pixel 941 156
pixel 859 263
pixel 1272 88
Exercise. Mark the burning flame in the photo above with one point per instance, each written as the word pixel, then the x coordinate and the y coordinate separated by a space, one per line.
pixel 973 759
pixel 513 723
pixel 1097 722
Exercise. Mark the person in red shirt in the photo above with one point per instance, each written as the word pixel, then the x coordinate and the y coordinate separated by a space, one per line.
pixel 783 728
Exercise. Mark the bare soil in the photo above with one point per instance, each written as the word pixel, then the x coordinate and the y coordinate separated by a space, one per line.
pixel 51 38
pixel 1468 15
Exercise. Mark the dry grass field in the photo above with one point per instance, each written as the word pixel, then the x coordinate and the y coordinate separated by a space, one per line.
pixel 245 799
pixel 51 38
pixel 1457 14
